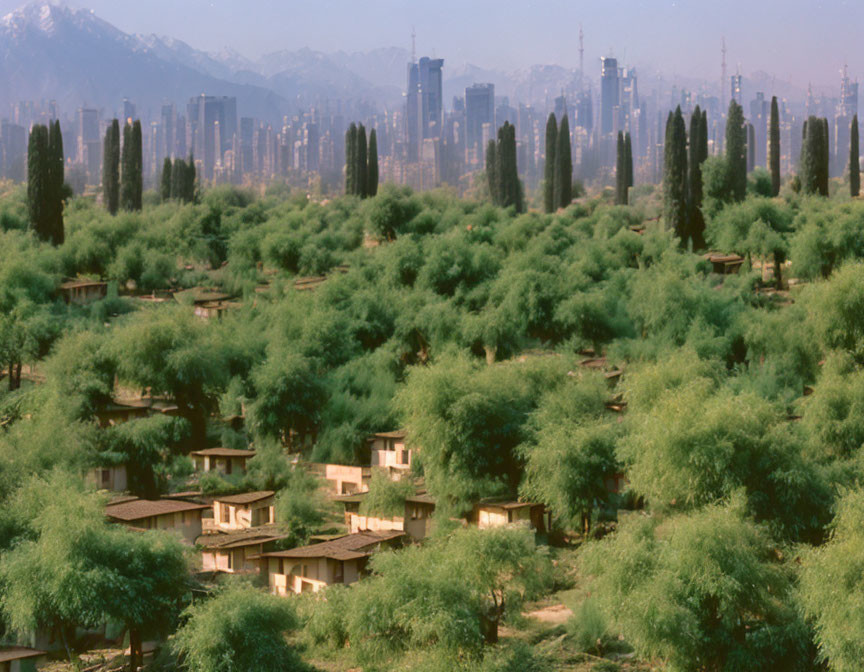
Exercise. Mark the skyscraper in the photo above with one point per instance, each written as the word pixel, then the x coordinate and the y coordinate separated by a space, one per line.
pixel 479 110
pixel 424 114
pixel 610 94
pixel 737 89
pixel 89 148
pixel 214 130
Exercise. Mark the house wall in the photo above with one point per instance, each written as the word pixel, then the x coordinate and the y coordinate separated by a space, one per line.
pixel 26 665
pixel 234 517
pixel 187 524
pixel 360 523
pixel 347 479
pixel 489 517
pixel 390 454
pixel 108 478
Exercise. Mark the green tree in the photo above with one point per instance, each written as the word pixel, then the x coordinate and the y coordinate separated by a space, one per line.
pixel 302 506
pixel 111 168
pixel 628 159
pixel 131 184
pixel 702 592
pixel 774 147
pixel 621 175
pixel 372 173
pixel 38 182
pixel 563 194
pixel 239 629
pixel 698 155
pixel 675 209
pixel 854 165
pixel 351 160
pixel 736 152
pixel 550 167
pixel 362 160
pixel 493 179
pixel 165 181
pixel 58 192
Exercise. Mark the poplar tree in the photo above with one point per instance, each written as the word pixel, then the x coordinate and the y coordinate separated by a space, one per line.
pixel 774 147
pixel 56 183
pixel 675 210
pixel 621 176
pixel 854 166
pixel 111 168
pixel 826 158
pixel 751 148
pixel 131 179
pixel 361 158
pixel 492 177
pixel 507 171
pixel 549 203
pixel 736 152
pixel 697 156
pixel 351 160
pixel 372 173
pixel 37 181
pixel 563 188
pixel 628 158
pixel 165 181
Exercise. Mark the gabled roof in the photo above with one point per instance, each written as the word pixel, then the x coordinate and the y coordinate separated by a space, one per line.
pixel 223 452
pixel 246 497
pixel 137 509
pixel 349 547
pixel 504 503
pixel 78 284
pixel 249 537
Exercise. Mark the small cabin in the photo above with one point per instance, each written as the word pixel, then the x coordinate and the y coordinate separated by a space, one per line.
pixel 239 512
pixel 725 264
pixel 416 522
pixel 389 452
pixel 178 516
pixel 348 479
pixel 21 659
pixel 226 461
pixel 338 561
pixel 215 310
pixel 237 552
pixel 82 292
pixel 111 478
pixel 118 411
pixel 496 513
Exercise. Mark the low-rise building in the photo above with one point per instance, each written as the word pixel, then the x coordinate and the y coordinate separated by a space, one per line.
pixel 498 512
pixel 226 461
pixel 21 659
pixel 416 521
pixel 183 518
pixel 347 479
pixel 388 451
pixel 339 561
pixel 239 512
pixel 82 292
pixel 111 478
pixel 236 552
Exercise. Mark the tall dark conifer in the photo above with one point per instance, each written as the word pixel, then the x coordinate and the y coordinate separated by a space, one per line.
pixel 675 210
pixel 165 181
pixel 111 168
pixel 549 203
pixel 774 147
pixel 698 154
pixel 826 159
pixel 56 182
pixel 362 162
pixel 37 181
pixel 492 177
pixel 751 148
pixel 854 165
pixel 351 160
pixel 736 152
pixel 620 172
pixel 131 179
pixel 628 159
pixel 372 173
pixel 563 191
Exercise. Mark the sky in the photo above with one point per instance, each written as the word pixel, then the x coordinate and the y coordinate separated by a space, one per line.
pixel 797 40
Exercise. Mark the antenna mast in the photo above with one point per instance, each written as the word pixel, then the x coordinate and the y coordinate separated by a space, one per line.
pixel 723 78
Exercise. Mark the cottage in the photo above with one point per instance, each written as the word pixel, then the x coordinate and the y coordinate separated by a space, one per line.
pixel 235 552
pixel 82 292
pixel 111 478
pixel 725 264
pixel 239 512
pixel 21 659
pixel 389 452
pixel 214 310
pixel 226 461
pixel 178 516
pixel 123 410
pixel 339 561
pixel 416 521
pixel 348 479
pixel 495 513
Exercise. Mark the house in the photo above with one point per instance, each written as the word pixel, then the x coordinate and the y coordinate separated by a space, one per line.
pixel 215 310
pixel 82 292
pixel 111 478
pixel 339 561
pixel 725 264
pixel 21 659
pixel 498 512
pixel 235 552
pixel 347 479
pixel 416 522
pixel 176 515
pixel 226 461
pixel 123 410
pixel 239 512
pixel 389 452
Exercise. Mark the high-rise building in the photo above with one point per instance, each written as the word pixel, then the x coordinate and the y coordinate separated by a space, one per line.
pixel 14 139
pixel 479 111
pixel 610 94
pixel 214 130
pixel 89 147
pixel 169 131
pixel 130 112
pixel 737 89
pixel 424 107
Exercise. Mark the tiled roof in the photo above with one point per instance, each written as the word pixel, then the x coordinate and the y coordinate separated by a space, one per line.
pixel 137 509
pixel 349 547
pixel 246 497
pixel 248 537
pixel 399 434
pixel 224 452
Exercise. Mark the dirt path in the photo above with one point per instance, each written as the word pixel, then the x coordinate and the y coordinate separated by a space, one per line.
pixel 557 614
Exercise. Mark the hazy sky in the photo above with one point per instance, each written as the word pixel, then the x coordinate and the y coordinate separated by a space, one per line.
pixel 805 40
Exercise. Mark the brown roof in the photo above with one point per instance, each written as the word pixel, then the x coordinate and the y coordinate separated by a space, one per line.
pixel 248 537
pixel 349 547
pixel 224 452
pixel 137 509
pixel 77 284
pixel 716 258
pixel 201 295
pixel 246 497
pixel 399 434
pixel 10 653
pixel 506 504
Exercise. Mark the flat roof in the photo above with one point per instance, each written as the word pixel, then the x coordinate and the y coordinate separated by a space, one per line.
pixel 348 547
pixel 78 284
pixel 223 452
pixel 398 434
pixel 246 497
pixel 137 509
pixel 249 537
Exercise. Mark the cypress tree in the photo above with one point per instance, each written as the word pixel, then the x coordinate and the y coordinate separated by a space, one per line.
pixel 505 171
pixel 628 159
pixel 362 162
pixel 56 183
pixel 549 171
pixel 826 158
pixel 854 166
pixel 37 181
pixel 736 152
pixel 138 156
pixel 804 168
pixel 178 175
pixel 563 191
pixel 492 172
pixel 621 176
pixel 165 181
pixel 675 209
pixel 132 173
pixel 774 147
pixel 111 168
pixel 189 180
pixel 698 154
pixel 751 148
pixel 372 173
pixel 351 160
